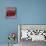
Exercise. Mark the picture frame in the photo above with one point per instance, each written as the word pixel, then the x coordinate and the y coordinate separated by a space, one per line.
pixel 11 12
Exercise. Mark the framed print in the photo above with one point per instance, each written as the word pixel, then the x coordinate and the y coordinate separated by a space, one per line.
pixel 32 32
pixel 11 12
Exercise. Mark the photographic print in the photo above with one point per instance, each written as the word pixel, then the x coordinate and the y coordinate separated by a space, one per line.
pixel 29 34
